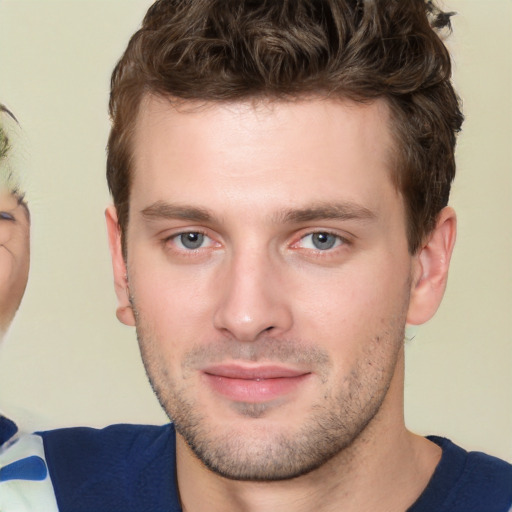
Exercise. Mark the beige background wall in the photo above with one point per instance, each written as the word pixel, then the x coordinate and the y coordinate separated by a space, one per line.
pixel 67 360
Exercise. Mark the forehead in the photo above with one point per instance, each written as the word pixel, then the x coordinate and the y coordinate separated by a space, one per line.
pixel 287 150
pixel 11 155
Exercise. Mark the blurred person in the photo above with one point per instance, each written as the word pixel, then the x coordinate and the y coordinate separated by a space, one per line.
pixel 14 232
pixel 24 479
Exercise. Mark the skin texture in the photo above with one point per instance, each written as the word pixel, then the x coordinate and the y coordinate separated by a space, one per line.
pixel 228 283
pixel 14 255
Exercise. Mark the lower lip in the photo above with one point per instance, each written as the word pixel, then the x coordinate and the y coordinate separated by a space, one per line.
pixel 248 390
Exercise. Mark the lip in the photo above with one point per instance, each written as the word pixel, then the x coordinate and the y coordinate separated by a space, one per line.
pixel 253 383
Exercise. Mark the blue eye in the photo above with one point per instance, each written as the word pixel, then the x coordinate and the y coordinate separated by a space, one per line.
pixel 6 216
pixel 190 243
pixel 321 241
pixel 192 240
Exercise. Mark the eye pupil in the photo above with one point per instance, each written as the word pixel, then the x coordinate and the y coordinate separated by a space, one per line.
pixel 192 240
pixel 323 241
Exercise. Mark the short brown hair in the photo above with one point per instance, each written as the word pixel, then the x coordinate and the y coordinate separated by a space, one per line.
pixel 227 50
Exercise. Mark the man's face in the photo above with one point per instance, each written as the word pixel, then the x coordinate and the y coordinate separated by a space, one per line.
pixel 14 255
pixel 269 276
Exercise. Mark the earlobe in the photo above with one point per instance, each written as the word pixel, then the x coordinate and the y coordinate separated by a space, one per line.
pixel 124 310
pixel 431 269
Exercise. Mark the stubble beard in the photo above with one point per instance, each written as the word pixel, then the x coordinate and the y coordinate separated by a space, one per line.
pixel 264 453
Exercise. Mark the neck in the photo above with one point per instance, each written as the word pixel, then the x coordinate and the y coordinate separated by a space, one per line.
pixel 386 468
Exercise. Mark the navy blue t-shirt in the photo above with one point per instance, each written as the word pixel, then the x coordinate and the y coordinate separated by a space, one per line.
pixel 466 482
pixel 125 468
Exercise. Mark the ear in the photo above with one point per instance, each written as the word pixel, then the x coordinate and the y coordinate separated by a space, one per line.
pixel 124 311
pixel 430 272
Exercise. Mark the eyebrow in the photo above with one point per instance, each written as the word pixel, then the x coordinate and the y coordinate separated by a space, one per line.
pixel 20 201
pixel 327 211
pixel 164 210
pixel 320 211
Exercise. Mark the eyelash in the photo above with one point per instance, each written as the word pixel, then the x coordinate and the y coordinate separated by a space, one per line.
pixel 6 216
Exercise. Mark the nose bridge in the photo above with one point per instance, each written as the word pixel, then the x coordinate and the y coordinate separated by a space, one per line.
pixel 252 301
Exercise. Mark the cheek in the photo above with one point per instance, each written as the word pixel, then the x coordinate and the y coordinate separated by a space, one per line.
pixel 13 279
pixel 174 302
pixel 361 288
pixel 349 304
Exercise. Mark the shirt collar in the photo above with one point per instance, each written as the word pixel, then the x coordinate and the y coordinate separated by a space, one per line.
pixel 7 429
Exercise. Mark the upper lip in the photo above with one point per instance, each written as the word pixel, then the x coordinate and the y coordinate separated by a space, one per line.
pixel 237 371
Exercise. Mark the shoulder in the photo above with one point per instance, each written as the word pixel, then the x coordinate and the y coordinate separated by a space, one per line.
pixel 468 481
pixel 125 437
pixel 121 467
pixel 486 479
pixel 24 480
pixel 488 469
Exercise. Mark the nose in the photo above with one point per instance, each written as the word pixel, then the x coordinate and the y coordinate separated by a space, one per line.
pixel 253 299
